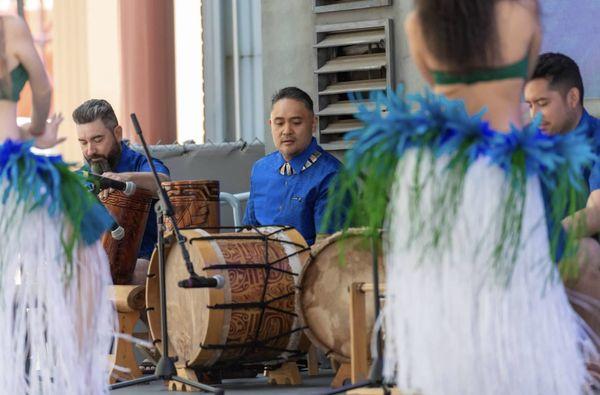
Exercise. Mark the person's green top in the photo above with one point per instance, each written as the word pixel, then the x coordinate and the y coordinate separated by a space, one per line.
pixel 514 70
pixel 18 78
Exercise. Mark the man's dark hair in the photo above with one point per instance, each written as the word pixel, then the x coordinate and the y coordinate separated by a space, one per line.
pixel 291 92
pixel 94 109
pixel 561 72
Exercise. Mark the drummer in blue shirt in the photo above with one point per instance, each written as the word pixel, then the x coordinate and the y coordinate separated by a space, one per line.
pixel 289 186
pixel 555 90
pixel 100 140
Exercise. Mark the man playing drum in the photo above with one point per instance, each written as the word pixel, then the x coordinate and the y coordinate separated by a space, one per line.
pixel 289 186
pixel 100 138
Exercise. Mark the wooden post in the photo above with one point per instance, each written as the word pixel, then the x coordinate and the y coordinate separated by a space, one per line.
pixel 127 299
pixel 358 334
pixel 342 375
pixel 313 363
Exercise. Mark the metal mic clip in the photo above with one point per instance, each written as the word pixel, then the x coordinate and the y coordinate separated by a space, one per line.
pixel 129 188
pixel 118 233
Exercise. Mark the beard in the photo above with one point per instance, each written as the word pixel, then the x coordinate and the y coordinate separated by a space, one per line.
pixel 102 163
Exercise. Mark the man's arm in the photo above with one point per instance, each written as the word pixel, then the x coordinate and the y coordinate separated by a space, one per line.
pixel 589 217
pixel 143 178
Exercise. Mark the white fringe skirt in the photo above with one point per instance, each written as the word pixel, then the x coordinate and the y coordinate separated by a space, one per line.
pixel 452 326
pixel 55 328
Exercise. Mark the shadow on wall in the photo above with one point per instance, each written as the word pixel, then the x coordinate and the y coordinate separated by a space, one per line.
pixel 228 163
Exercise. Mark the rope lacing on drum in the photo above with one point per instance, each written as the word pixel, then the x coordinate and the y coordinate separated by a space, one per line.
pixel 253 305
pixel 263 304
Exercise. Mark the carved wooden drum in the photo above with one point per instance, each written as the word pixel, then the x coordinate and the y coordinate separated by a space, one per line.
pixel 131 212
pixel 252 318
pixel 323 299
pixel 196 203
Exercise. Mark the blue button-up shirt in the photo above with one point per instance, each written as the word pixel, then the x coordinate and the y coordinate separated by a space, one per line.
pixel 297 200
pixel 132 161
pixel 593 125
pixel 592 175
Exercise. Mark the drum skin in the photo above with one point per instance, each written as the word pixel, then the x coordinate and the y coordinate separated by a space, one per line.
pixel 130 212
pixel 202 336
pixel 196 203
pixel 323 298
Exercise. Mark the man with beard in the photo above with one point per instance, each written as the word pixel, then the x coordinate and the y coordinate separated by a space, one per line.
pixel 100 139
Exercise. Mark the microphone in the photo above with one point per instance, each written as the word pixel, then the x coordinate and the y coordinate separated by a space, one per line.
pixel 127 187
pixel 202 282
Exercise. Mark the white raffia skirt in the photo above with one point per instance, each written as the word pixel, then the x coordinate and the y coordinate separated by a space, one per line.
pixel 452 326
pixel 55 327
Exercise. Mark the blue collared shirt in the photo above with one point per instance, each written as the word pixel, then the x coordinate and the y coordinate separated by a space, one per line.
pixel 592 175
pixel 297 200
pixel 132 161
pixel 593 125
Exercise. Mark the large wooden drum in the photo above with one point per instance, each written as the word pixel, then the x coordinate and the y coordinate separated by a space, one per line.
pixel 131 212
pixel 252 318
pixel 196 203
pixel 323 299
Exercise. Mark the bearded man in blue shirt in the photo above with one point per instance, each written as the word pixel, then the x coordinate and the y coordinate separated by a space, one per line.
pixel 101 140
pixel 289 186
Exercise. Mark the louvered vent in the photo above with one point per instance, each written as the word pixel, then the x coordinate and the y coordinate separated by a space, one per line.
pixel 344 5
pixel 351 59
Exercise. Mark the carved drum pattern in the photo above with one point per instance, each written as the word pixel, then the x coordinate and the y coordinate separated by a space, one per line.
pixel 196 203
pixel 217 327
pixel 131 212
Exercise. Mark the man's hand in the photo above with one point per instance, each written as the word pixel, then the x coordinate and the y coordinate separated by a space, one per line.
pixel 113 176
pixel 49 137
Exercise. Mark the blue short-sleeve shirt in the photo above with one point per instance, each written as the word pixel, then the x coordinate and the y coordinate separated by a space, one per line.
pixel 297 200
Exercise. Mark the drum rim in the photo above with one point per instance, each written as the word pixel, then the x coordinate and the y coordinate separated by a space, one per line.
pixel 190 182
pixel 215 317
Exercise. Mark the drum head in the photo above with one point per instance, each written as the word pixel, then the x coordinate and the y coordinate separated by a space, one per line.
pixel 324 300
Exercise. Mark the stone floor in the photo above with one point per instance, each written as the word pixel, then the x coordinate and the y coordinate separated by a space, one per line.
pixel 310 385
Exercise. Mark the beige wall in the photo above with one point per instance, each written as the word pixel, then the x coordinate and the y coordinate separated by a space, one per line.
pixel 87 60
pixel 288 36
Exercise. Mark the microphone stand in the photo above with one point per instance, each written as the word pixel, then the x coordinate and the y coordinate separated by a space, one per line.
pixel 165 368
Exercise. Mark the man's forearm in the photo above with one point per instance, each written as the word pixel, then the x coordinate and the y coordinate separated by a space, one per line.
pixel 144 180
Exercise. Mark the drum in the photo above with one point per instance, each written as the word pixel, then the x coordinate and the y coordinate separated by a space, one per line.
pixel 323 298
pixel 196 203
pixel 131 212
pixel 252 318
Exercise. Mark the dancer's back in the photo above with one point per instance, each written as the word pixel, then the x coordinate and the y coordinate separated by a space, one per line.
pixel 496 83
pixel 19 61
